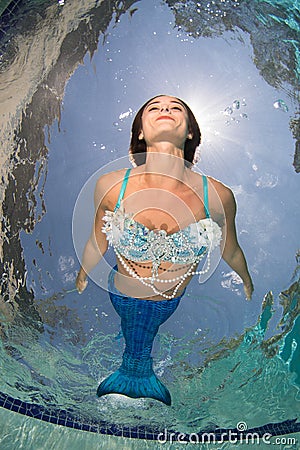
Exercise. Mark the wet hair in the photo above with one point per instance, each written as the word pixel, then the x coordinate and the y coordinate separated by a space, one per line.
pixel 138 147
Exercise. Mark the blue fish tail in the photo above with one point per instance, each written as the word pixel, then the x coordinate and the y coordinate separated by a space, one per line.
pixel 140 321
pixel 136 379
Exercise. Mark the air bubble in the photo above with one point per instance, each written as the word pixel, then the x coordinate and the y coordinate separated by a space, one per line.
pixel 280 104
pixel 228 111
pixel 236 104
pixel 126 114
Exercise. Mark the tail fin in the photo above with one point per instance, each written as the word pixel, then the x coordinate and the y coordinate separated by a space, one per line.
pixel 135 387
pixel 135 383
pixel 140 321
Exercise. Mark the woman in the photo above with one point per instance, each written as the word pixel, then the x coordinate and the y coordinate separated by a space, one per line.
pixel 162 219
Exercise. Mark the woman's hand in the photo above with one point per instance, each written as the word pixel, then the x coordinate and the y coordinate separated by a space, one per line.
pixel 81 282
pixel 248 289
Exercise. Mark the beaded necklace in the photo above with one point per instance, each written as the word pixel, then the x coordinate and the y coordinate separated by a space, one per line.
pixel 149 281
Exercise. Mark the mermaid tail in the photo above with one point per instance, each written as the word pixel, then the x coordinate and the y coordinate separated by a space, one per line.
pixel 135 378
pixel 140 321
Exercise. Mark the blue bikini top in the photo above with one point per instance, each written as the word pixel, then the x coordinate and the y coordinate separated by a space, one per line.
pixel 134 241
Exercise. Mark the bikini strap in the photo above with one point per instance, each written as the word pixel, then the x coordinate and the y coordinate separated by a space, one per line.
pixel 205 194
pixel 123 188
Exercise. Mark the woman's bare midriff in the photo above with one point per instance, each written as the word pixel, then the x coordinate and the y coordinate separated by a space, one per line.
pixel 132 287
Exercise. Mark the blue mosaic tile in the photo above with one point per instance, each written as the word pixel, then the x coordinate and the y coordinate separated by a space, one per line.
pixel 134 434
pixel 68 419
pixel 69 423
pixel 54 420
pixel 86 427
pixel 22 410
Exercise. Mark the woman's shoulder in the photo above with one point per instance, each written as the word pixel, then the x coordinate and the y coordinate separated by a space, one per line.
pixel 108 185
pixel 217 191
pixel 109 179
pixel 217 185
pixel 223 192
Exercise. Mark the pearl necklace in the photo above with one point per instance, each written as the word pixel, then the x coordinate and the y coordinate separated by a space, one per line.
pixel 143 266
pixel 149 281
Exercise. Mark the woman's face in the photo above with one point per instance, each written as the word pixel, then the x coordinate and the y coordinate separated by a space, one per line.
pixel 165 119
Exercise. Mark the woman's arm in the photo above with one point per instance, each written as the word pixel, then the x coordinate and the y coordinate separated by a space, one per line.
pixel 232 252
pixel 96 245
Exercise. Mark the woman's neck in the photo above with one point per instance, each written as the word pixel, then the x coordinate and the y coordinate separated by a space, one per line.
pixel 164 160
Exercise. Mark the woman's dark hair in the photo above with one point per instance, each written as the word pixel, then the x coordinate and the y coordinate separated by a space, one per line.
pixel 138 147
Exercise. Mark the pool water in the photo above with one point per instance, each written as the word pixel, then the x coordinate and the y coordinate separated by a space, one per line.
pixel 67 109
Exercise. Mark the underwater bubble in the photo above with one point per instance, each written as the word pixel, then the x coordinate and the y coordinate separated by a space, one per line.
pixel 116 124
pixel 227 111
pixel 126 114
pixel 65 262
pixel 102 147
pixel 280 104
pixel 267 180
pixel 236 104
pixel 231 281
pixel 244 115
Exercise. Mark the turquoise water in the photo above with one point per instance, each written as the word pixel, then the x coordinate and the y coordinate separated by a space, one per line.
pixel 224 360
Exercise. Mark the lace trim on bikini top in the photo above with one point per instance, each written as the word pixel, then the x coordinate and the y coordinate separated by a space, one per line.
pixel 136 242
